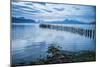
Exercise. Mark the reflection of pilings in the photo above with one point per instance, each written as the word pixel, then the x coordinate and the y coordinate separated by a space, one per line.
pixel 83 32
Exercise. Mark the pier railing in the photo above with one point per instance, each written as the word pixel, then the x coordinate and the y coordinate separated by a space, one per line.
pixel 90 33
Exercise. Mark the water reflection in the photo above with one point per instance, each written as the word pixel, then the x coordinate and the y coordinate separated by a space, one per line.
pixel 29 42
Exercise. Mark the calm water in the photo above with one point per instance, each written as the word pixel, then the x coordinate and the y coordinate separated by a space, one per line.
pixel 30 43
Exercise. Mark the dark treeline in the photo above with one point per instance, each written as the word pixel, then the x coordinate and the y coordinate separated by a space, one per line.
pixel 90 33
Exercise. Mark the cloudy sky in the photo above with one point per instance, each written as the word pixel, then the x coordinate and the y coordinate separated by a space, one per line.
pixel 53 12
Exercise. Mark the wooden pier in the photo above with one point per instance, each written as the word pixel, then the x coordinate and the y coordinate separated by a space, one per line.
pixel 90 33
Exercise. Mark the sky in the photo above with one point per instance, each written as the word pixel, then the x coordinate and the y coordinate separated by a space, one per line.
pixel 48 12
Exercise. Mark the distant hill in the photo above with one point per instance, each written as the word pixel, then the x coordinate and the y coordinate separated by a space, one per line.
pixel 75 22
pixel 72 22
pixel 22 20
pixel 67 21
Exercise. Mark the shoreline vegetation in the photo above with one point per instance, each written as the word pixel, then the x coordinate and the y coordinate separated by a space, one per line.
pixel 55 55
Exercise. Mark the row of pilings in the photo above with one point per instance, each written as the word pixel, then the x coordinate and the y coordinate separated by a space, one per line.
pixel 90 33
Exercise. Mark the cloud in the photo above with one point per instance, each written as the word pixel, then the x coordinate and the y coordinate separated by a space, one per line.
pixel 59 9
pixel 51 11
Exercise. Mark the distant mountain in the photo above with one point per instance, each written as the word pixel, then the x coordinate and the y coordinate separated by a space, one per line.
pixel 22 20
pixel 72 22
pixel 93 22
pixel 75 22
pixel 67 21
